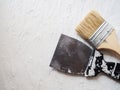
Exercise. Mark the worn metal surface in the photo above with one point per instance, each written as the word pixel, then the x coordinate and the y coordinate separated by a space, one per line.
pixel 71 56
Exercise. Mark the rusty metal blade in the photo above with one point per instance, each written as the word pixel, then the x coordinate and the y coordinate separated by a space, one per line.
pixel 71 56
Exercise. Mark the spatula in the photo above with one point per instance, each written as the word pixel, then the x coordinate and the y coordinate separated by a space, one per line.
pixel 74 57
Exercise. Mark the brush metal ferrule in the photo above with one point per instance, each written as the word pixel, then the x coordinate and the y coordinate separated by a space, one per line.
pixel 101 34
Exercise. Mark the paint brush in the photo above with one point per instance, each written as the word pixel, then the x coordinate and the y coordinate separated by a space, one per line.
pixel 98 32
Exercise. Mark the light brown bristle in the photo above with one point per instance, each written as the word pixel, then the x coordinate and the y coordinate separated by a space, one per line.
pixel 89 24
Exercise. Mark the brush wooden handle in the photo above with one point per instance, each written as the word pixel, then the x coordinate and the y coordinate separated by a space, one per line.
pixel 111 43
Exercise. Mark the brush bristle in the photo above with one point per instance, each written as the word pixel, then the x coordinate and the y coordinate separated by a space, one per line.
pixel 89 24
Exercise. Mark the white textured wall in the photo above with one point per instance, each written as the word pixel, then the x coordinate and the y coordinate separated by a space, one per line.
pixel 29 32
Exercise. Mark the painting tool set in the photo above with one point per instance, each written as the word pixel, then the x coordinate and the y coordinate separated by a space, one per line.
pixel 72 56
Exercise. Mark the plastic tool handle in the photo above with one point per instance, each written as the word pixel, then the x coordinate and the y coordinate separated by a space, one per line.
pixel 97 64
pixel 113 69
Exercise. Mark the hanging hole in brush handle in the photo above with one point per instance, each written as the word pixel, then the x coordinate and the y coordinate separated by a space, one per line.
pixel 97 64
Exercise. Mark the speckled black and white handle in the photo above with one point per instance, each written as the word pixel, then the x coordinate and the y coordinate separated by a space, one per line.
pixel 97 64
